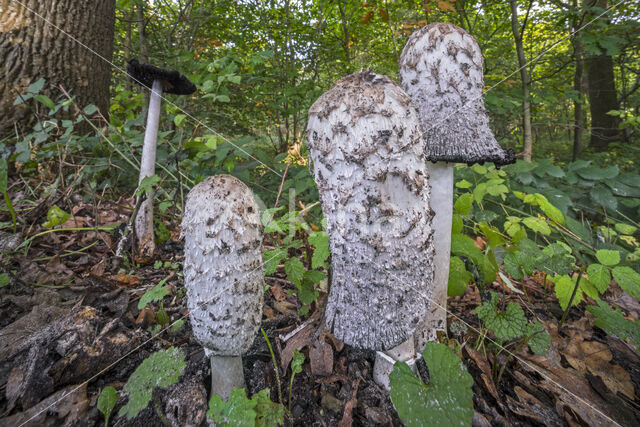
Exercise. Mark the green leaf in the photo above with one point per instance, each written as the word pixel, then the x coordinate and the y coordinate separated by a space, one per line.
pixel 4 280
pixel 162 369
pixel 463 184
pixel 297 362
pixel 507 325
pixel 600 277
pixel 157 293
pixel 446 400
pixel 236 411
pixel 614 322
pixel 604 197
pixel 564 286
pixel 463 204
pixel 268 412
pixel 178 119
pixel 479 169
pixel 55 216
pixel 4 175
pixel 90 109
pixel 491 233
pixel 46 101
pixel 458 277
pixel 463 245
pixel 538 225
pixel 596 174
pixel 106 401
pixel 272 258
pixel 36 86
pixel 608 257
pixel 628 279
pixel 557 259
pixel 295 270
pixel 147 185
pixel 622 228
pixel 320 242
pixel 538 338
pixel 456 224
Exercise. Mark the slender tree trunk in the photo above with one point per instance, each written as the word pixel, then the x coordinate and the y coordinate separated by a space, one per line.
pixel 144 53
pixel 30 49
pixel 578 86
pixel 526 81
pixel 602 94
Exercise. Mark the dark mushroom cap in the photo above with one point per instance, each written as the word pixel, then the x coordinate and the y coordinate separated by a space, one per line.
pixel 441 70
pixel 172 81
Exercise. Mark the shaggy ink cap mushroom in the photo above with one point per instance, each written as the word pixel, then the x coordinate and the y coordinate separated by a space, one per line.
pixel 367 149
pixel 172 81
pixel 441 70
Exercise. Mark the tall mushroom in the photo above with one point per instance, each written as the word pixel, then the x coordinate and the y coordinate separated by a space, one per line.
pixel 223 274
pixel 368 153
pixel 158 80
pixel 441 70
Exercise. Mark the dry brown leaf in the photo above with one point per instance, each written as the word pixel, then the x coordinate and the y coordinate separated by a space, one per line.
pixel 347 417
pixel 446 6
pixel 126 280
pixel 483 365
pixel 321 358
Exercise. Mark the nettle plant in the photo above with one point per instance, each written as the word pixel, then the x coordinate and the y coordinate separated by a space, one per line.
pixel 290 232
pixel 538 218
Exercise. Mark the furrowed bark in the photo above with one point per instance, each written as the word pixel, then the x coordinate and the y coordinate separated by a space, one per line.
pixel 369 164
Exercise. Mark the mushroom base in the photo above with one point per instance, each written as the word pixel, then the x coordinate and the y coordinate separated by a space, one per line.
pixel 226 375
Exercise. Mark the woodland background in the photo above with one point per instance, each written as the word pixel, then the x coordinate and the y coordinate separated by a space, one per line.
pixel 556 233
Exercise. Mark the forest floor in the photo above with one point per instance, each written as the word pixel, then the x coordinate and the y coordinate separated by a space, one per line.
pixel 70 322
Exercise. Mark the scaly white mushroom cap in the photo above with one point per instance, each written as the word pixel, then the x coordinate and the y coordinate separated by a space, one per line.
pixel 223 269
pixel 368 153
pixel 441 70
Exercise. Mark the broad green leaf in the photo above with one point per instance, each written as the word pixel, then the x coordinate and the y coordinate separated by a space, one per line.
pixel 596 174
pixel 320 242
pixel 4 280
pixel 46 101
pixel 463 204
pixel 622 228
pixel 479 169
pixel 295 270
pixel 178 119
pixel 600 276
pixel 604 197
pixel 236 411
pixel 539 340
pixel 272 258
pixel 268 412
pixel 557 259
pixel 55 216
pixel 297 361
pixel 445 401
pixel 36 86
pixel 157 293
pixel 608 257
pixel 564 286
pixel 463 245
pixel 538 225
pixel 90 109
pixel 106 401
pixel 507 325
pixel 628 279
pixel 162 369
pixel 463 184
pixel 491 233
pixel 456 224
pixel 614 322
pixel 458 277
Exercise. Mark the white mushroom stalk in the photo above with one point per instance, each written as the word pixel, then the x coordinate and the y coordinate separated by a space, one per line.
pixel 441 70
pixel 159 80
pixel 223 274
pixel 368 153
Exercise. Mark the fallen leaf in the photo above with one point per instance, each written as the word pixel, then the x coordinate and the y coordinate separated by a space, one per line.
pixel 321 358
pixel 347 417
pixel 126 280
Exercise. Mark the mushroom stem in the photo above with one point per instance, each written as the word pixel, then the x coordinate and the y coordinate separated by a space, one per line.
pixel 144 220
pixel 226 375
pixel 441 179
pixel 385 360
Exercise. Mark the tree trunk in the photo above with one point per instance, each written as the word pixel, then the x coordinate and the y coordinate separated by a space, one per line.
pixel 526 81
pixel 578 86
pixel 602 93
pixel 31 49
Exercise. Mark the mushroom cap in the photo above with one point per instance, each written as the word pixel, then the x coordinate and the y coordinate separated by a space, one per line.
pixel 172 81
pixel 367 149
pixel 223 266
pixel 441 70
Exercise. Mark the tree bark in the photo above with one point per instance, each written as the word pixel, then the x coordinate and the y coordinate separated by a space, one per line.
pixel 526 81
pixel 578 86
pixel 31 49
pixel 602 94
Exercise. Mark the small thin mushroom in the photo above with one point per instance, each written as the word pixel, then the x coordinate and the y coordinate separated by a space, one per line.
pixel 158 80
pixel 441 70
pixel 223 274
pixel 368 153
